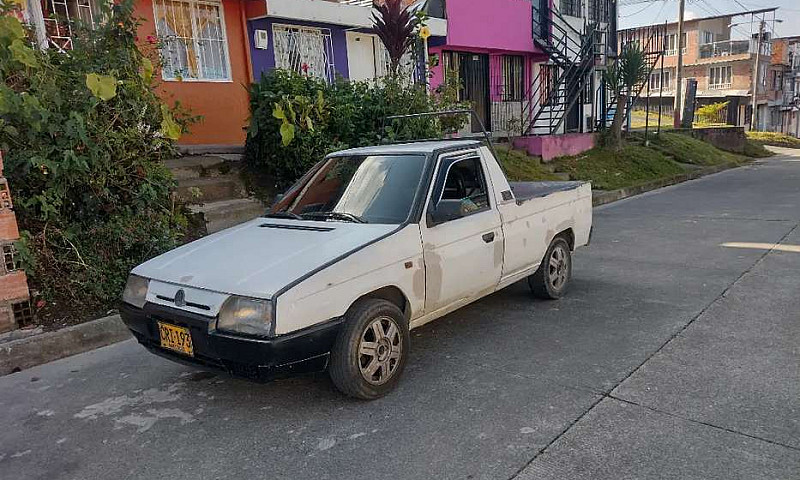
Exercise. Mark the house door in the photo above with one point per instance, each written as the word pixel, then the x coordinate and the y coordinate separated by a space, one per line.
pixel 361 56
pixel 573 121
pixel 473 75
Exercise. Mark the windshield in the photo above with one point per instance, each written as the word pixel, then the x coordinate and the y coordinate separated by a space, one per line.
pixel 369 189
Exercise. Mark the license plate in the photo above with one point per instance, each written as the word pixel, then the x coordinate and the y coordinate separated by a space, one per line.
pixel 176 338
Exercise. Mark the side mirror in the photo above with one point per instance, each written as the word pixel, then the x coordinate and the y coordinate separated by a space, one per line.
pixel 445 211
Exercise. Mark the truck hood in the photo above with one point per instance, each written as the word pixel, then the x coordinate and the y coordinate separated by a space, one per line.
pixel 259 257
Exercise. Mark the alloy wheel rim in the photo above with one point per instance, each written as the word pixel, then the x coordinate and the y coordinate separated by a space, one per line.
pixel 558 267
pixel 379 350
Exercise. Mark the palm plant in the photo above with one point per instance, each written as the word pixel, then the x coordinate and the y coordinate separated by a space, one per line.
pixel 394 24
pixel 623 76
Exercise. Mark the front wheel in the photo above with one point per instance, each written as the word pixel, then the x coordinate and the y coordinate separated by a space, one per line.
pixel 371 350
pixel 550 281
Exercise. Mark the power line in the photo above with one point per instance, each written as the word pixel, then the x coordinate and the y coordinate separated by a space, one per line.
pixel 649 4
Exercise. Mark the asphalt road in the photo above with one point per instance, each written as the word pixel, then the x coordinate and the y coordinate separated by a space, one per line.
pixel 673 356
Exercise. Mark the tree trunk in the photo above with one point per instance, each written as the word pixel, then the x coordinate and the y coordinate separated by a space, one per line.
pixel 619 117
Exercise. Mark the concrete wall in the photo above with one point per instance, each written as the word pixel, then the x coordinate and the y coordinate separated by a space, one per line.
pixel 223 105
pixel 731 139
pixel 551 146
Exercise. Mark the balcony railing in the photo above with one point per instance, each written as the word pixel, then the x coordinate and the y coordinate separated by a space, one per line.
pixel 728 48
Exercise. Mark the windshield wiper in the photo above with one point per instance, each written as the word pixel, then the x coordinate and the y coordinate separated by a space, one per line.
pixel 349 217
pixel 283 214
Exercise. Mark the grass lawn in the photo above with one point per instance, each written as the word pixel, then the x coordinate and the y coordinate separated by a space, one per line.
pixel 669 154
pixel 774 139
pixel 520 167
pixel 685 149
pixel 608 169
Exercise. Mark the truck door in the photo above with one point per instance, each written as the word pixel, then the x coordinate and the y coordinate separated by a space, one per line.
pixel 462 235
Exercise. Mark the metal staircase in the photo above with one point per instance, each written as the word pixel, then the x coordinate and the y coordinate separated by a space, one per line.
pixel 559 84
pixel 652 41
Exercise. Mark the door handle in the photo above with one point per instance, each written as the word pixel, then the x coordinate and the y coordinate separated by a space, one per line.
pixel 488 237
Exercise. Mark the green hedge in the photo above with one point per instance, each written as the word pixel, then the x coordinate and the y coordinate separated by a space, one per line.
pixel 84 138
pixel 325 117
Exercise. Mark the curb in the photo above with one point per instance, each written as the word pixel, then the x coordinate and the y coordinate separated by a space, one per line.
pixel 28 352
pixel 604 197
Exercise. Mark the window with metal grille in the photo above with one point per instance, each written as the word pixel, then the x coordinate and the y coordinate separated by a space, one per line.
pixel 305 50
pixel 59 17
pixel 195 46
pixel 513 78
pixel 573 8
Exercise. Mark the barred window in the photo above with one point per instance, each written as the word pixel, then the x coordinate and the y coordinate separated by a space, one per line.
pixel 59 16
pixel 573 8
pixel 513 78
pixel 192 33
pixel 305 50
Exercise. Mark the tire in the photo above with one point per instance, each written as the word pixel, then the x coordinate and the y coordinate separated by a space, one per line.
pixel 551 279
pixel 371 351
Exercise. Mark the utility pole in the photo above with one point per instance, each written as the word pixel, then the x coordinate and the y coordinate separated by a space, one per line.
pixel 676 114
pixel 754 117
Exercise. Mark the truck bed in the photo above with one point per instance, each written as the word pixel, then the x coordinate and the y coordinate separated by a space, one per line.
pixel 528 190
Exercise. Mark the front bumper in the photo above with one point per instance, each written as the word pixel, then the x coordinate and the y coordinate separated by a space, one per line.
pixel 261 359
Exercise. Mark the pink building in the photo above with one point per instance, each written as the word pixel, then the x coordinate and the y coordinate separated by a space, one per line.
pixel 529 67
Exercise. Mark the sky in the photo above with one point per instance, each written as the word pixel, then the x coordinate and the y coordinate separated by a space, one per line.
pixel 657 11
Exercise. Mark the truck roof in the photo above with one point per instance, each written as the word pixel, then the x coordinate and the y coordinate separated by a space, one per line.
pixel 423 147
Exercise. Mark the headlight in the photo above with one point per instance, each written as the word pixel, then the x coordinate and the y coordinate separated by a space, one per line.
pixel 246 315
pixel 135 291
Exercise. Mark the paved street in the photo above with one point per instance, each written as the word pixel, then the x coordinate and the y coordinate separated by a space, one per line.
pixel 673 356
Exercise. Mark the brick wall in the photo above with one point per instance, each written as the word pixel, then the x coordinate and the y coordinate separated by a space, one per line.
pixel 15 308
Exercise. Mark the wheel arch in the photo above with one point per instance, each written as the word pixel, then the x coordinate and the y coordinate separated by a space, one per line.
pixel 569 235
pixel 392 294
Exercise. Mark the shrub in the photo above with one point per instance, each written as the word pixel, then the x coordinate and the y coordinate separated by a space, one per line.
pixel 85 137
pixel 344 114
pixel 711 113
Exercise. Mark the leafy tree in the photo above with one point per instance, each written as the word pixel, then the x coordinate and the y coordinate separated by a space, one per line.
pixel 623 76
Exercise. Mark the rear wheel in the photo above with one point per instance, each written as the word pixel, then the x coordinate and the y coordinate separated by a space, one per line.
pixel 371 350
pixel 550 281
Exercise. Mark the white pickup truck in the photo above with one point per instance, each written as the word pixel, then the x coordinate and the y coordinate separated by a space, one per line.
pixel 371 243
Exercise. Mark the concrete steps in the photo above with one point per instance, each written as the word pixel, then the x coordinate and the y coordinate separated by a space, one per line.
pixel 210 184
pixel 227 213
pixel 210 189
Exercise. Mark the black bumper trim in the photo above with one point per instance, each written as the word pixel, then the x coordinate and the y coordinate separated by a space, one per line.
pixel 260 359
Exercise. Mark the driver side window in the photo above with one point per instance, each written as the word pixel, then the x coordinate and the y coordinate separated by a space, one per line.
pixel 464 188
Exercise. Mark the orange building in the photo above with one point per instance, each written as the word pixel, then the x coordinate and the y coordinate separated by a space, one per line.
pixel 205 56
pixel 206 63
